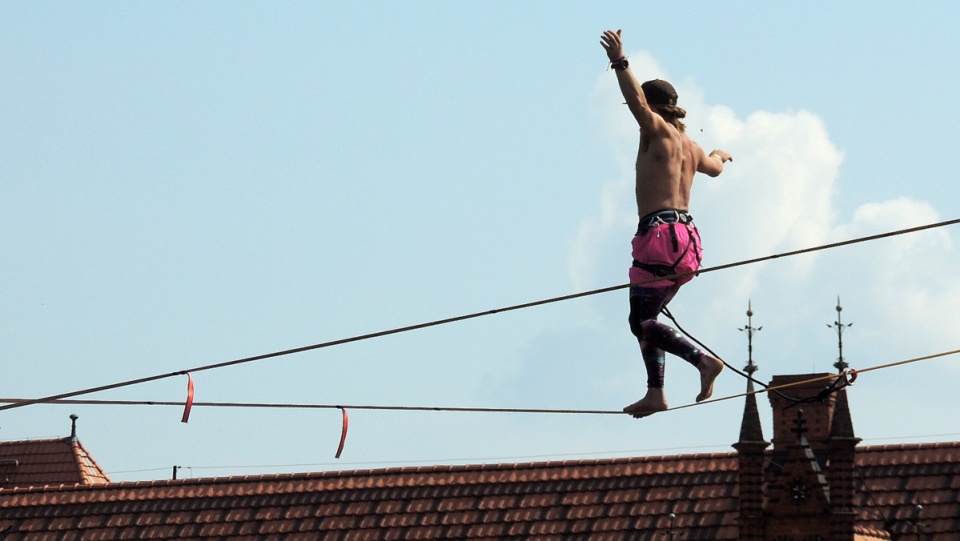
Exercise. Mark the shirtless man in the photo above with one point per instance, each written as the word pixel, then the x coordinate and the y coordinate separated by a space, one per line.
pixel 667 242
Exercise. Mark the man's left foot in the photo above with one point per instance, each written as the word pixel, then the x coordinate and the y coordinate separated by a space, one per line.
pixel 654 401
pixel 710 367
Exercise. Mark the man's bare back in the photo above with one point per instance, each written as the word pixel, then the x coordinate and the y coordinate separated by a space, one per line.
pixel 664 173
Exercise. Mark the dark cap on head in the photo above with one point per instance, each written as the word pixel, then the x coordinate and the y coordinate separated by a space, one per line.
pixel 659 92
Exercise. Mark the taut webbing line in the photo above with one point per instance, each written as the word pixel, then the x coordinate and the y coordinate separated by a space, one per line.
pixel 397 330
pixel 769 388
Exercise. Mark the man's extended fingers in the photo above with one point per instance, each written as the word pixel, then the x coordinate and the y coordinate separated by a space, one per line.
pixel 610 39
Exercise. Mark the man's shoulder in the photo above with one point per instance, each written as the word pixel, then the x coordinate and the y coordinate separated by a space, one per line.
pixel 692 145
pixel 686 137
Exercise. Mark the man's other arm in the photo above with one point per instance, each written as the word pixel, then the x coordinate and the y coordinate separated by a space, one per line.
pixel 712 164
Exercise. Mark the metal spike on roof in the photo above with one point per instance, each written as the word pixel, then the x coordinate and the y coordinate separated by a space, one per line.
pixel 750 429
pixel 841 364
pixel 750 330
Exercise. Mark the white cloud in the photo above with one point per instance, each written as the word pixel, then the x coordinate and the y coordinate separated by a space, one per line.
pixel 909 276
pixel 595 232
pixel 779 195
pixel 776 195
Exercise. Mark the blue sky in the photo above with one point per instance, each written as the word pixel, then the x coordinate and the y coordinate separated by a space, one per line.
pixel 185 184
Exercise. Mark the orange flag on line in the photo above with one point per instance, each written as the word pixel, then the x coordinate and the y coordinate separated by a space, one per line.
pixel 343 431
pixel 189 404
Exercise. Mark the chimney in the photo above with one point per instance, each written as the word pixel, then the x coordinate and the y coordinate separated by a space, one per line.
pixel 790 393
pixel 812 465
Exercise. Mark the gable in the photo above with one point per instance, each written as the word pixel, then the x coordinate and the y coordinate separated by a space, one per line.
pixel 40 463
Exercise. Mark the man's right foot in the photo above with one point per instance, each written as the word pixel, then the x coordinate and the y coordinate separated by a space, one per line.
pixel 710 368
pixel 654 401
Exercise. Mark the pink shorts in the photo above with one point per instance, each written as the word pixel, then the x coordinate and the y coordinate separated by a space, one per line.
pixel 655 246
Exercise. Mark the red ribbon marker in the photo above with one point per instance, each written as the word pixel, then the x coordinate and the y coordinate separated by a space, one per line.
pixel 189 404
pixel 343 432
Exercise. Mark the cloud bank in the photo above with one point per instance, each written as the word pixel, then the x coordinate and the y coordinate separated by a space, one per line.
pixel 779 195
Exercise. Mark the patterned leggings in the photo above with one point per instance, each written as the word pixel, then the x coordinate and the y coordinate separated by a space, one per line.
pixel 656 338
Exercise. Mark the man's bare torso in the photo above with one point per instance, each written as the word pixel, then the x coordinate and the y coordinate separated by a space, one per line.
pixel 665 172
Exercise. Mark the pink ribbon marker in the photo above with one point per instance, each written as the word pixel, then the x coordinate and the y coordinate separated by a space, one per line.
pixel 343 431
pixel 189 404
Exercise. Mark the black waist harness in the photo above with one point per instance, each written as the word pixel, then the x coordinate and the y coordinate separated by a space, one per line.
pixel 672 218
pixel 663 217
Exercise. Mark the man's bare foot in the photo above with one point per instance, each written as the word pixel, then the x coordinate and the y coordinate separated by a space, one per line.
pixel 710 368
pixel 654 401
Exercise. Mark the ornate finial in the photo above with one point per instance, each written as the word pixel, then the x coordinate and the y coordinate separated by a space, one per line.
pixel 73 425
pixel 841 364
pixel 750 368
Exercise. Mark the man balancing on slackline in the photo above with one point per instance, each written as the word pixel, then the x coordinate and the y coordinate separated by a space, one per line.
pixel 667 242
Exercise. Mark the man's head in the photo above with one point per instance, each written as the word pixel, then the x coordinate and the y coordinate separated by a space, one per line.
pixel 662 98
pixel 659 92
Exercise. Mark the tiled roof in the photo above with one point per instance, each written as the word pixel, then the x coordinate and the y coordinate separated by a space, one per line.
pixel 628 498
pixel 894 479
pixel 39 463
pixel 604 499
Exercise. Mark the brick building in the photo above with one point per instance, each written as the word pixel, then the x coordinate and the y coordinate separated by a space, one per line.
pixel 811 482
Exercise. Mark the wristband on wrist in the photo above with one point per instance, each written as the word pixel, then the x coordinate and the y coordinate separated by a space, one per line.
pixel 620 64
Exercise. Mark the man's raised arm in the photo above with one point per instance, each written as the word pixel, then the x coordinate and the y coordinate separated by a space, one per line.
pixel 629 86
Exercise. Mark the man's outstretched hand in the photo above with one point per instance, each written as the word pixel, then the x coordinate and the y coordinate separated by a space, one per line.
pixel 612 42
pixel 722 154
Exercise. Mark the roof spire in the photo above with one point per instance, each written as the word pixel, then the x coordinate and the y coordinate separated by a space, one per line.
pixel 841 426
pixel 73 425
pixel 750 330
pixel 750 429
pixel 841 364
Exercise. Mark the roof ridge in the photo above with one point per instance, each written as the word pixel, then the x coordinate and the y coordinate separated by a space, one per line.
pixel 899 446
pixel 90 472
pixel 465 468
pixel 34 440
